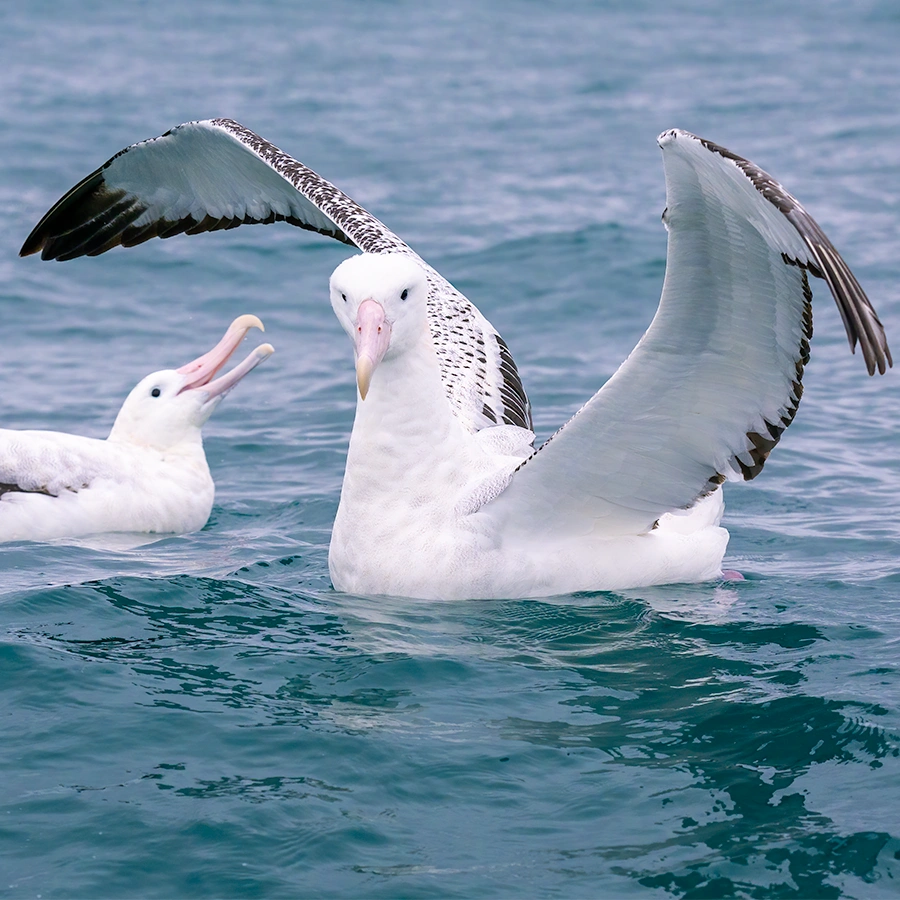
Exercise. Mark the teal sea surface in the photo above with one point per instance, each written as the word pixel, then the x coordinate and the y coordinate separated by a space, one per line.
pixel 204 716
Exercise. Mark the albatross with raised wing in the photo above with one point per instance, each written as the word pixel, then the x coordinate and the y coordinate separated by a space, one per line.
pixel 444 495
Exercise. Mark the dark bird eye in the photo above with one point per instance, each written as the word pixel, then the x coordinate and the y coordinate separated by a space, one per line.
pixel 155 392
pixel 344 297
pixel 404 295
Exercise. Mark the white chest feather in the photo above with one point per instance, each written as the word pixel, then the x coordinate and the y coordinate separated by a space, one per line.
pixel 415 517
pixel 414 476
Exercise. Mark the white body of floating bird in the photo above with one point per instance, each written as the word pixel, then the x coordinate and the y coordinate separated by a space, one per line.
pixel 149 475
pixel 444 494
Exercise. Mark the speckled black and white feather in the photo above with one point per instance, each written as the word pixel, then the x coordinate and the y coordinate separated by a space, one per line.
pixel 217 174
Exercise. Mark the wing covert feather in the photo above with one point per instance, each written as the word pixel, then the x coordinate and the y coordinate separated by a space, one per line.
pixel 51 463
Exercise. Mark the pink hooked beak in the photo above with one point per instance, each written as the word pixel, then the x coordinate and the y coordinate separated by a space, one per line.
pixel 373 334
pixel 200 372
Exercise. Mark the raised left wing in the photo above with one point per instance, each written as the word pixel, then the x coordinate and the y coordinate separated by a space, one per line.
pixel 716 379
pixel 216 174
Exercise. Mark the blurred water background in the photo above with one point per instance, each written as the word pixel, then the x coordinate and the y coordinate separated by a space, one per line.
pixel 205 716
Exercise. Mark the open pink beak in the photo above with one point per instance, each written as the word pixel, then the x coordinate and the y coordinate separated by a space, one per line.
pixel 200 372
pixel 373 335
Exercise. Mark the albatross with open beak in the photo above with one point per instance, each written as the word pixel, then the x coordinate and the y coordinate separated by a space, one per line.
pixel 149 475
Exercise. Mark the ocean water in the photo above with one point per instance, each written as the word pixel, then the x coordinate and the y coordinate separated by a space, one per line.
pixel 204 716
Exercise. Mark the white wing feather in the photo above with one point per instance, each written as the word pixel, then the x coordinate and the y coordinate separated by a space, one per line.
pixel 52 463
pixel 716 378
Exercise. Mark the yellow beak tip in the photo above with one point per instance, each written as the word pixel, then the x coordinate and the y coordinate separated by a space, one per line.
pixel 364 369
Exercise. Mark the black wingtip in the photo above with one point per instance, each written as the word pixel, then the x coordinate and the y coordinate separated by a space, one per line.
pixel 33 243
pixel 71 209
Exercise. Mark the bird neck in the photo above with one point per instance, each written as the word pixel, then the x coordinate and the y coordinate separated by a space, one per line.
pixel 189 444
pixel 406 421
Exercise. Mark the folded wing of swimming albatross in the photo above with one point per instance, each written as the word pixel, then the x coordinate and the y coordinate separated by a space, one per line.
pixel 216 174
pixel 704 396
pixel 49 463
